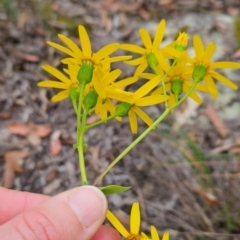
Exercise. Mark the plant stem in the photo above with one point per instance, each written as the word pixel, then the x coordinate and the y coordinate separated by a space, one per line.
pixel 144 134
pixel 99 122
pixel 80 136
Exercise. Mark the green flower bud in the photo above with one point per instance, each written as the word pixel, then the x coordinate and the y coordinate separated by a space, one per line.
pixel 85 72
pixel 90 100
pixel 199 73
pixel 176 88
pixel 74 93
pixel 152 60
pixel 181 42
pixel 122 109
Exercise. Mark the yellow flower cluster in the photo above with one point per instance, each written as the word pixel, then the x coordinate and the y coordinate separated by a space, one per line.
pixel 135 221
pixel 91 71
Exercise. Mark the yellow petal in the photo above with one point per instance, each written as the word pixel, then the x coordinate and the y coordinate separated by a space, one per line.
pixel 141 68
pixel 209 51
pixel 225 65
pixel 143 116
pixel 116 223
pixel 159 90
pixel 224 80
pixel 85 42
pixel 132 48
pixel 165 236
pixel 198 46
pixel 133 121
pixel 61 48
pixel 151 100
pixel 171 100
pixel 146 88
pixel 119 58
pixel 146 39
pixel 136 61
pixel 98 86
pixel 111 77
pixel 126 81
pixel 211 86
pixel 199 87
pixel 193 95
pixel 162 62
pixel 144 236
pixel 154 233
pixel 118 95
pixel 73 46
pixel 56 73
pixel 147 75
pixel 71 61
pixel 60 96
pixel 159 34
pixel 53 84
pixel 106 51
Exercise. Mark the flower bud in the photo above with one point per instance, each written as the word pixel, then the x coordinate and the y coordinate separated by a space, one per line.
pixel 152 60
pixel 85 72
pixel 122 109
pixel 181 42
pixel 199 73
pixel 74 93
pixel 90 100
pixel 176 88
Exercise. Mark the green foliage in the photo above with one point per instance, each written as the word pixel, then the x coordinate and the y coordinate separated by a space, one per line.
pixel 113 189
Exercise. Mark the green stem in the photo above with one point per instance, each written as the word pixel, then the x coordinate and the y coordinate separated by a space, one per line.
pixel 80 137
pixel 81 150
pixel 144 134
pixel 99 122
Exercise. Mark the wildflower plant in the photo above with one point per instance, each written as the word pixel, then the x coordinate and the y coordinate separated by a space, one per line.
pixel 172 76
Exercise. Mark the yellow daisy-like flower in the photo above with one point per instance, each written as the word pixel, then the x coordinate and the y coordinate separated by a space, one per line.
pixel 150 50
pixel 64 83
pixel 140 100
pixel 78 56
pixel 179 80
pixel 202 61
pixel 155 236
pixel 135 220
pixel 181 42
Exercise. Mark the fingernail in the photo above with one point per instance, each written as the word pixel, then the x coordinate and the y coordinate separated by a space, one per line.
pixel 89 204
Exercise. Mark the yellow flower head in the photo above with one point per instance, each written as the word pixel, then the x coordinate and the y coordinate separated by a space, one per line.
pixel 135 219
pixel 150 51
pixel 77 55
pixel 155 236
pixel 181 42
pixel 65 83
pixel 204 69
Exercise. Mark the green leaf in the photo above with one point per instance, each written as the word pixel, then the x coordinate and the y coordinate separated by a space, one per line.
pixel 112 189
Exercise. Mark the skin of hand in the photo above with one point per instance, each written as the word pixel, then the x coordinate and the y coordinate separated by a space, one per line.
pixel 74 214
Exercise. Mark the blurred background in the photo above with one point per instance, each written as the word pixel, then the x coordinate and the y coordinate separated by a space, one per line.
pixel 185 174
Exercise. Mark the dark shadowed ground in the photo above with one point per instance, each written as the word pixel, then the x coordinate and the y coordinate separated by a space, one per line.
pixel 186 174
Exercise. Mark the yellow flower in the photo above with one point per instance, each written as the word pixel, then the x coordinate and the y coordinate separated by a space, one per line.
pixel 78 56
pixel 155 236
pixel 202 61
pixel 135 220
pixel 181 42
pixel 65 83
pixel 141 101
pixel 151 50
pixel 178 81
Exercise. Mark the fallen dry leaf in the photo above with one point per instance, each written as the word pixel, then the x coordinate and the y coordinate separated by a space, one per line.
pixel 12 166
pixel 217 121
pixel 18 128
pixel 55 143
pixel 32 131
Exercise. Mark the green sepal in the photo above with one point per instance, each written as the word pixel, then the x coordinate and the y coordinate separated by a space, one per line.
pixel 74 93
pixel 176 88
pixel 113 189
pixel 199 73
pixel 152 60
pixel 90 100
pixel 85 73
pixel 122 109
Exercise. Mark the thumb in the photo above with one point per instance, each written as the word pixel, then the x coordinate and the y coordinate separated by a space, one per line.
pixel 75 214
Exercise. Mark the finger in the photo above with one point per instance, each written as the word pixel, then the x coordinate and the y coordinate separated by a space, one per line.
pixel 106 233
pixel 14 202
pixel 75 214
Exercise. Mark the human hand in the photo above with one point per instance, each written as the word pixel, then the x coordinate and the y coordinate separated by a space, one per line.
pixel 74 214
